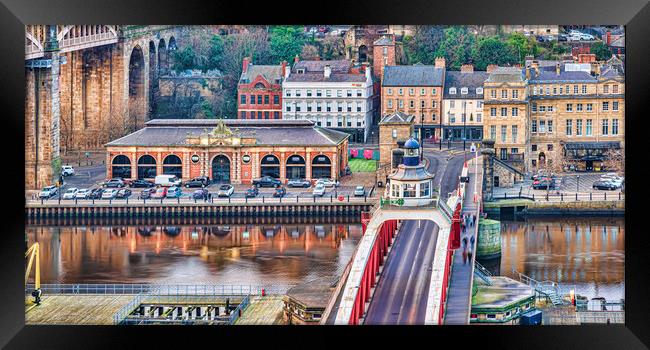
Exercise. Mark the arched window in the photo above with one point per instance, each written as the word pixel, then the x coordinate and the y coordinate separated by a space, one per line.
pixel 270 166
pixel 295 167
pixel 121 167
pixel 172 165
pixel 146 167
pixel 321 167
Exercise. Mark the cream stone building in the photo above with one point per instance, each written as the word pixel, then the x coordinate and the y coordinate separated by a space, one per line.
pixel 462 111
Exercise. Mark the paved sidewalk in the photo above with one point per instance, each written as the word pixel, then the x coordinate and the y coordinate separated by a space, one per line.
pixel 459 296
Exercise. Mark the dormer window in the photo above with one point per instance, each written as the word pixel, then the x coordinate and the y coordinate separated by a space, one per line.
pixel 479 91
pixel 301 71
pixel 463 91
pixel 452 91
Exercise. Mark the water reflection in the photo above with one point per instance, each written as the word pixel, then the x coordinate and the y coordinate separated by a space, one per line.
pixel 588 253
pixel 228 254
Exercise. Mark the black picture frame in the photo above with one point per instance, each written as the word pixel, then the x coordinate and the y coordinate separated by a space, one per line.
pixel 634 14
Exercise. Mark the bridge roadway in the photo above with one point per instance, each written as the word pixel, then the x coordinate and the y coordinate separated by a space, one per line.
pixel 401 295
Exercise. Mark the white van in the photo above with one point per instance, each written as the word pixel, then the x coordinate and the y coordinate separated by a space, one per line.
pixel 167 180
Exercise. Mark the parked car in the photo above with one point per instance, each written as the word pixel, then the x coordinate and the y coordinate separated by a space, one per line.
pixel 197 182
pixel 604 185
pixel 167 180
pixel 123 193
pixel 140 184
pixel 161 192
pixel 319 189
pixel 70 193
pixel 82 193
pixel 48 192
pixel 174 192
pixel 67 170
pixel 267 181
pixel 96 193
pixel 201 193
pixel 109 193
pixel 280 192
pixel 561 37
pixel 327 182
pixel 146 193
pixel 299 183
pixel 115 183
pixel 252 192
pixel 225 191
pixel 360 191
pixel 542 184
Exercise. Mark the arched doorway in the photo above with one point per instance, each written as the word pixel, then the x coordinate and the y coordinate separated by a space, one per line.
pixel 121 167
pixel 270 166
pixel 363 53
pixel 295 167
pixel 172 165
pixel 541 159
pixel 321 167
pixel 152 75
pixel 221 169
pixel 136 89
pixel 172 44
pixel 162 57
pixel 146 167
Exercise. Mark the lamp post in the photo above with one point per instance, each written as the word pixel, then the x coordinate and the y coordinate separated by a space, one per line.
pixel 440 137
pixel 421 139
pixel 464 124
pixel 577 183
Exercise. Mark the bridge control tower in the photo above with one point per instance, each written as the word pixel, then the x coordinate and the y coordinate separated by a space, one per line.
pixel 411 185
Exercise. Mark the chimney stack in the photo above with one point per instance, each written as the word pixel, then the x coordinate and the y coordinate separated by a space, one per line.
pixel 608 37
pixel 246 62
pixel 327 71
pixel 467 68
pixel 284 68
pixel 491 67
pixel 557 68
pixel 440 62
pixel 528 68
pixel 296 59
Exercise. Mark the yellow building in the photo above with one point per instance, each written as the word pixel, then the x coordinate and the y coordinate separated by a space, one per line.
pixel 505 115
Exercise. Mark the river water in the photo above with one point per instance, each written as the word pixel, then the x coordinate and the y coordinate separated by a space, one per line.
pixel 585 253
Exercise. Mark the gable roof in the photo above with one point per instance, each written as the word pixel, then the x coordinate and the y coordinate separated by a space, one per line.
pixel 416 75
pixel 460 80
pixel 337 66
pixel 397 117
pixel 269 73
pixel 506 75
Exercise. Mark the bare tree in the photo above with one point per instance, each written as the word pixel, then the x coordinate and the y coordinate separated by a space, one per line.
pixel 309 52
pixel 614 161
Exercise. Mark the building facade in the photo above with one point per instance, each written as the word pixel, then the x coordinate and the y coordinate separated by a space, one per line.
pixel 415 90
pixel 259 92
pixel 332 94
pixel 577 115
pixel 462 110
pixel 505 115
pixel 229 151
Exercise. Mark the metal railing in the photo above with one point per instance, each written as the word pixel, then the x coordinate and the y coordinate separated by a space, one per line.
pixel 161 289
pixel 565 197
pixel 483 273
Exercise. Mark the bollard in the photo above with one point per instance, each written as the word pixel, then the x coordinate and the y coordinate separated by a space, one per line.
pixel 331 198
pixel 348 198
pixel 605 195
pixel 590 193
pixel 533 197
pixel 547 197
pixel 561 197
pixel 297 198
pixel 576 196
pixel 619 196
pixel 505 195
pixel 262 198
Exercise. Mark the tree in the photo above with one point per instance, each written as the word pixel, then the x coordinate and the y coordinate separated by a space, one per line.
pixel 614 161
pixel 424 43
pixel 522 45
pixel 184 59
pixel 456 47
pixel 601 51
pixel 491 50
pixel 286 42
pixel 332 48
pixel 309 52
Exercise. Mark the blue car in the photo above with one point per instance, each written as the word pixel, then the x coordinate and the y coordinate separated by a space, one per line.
pixel 174 192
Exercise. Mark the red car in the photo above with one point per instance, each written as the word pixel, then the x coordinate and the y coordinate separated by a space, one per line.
pixel 160 192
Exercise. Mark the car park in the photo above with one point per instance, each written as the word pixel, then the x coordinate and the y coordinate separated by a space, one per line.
pixel 161 192
pixel 267 181
pixel 327 182
pixel 95 193
pixel 225 191
pixel 202 193
pixel 252 192
pixel 304 183
pixel 319 189
pixel 359 191
pixel 280 192
pixel 123 193
pixel 109 193
pixel 82 193
pixel 48 192
pixel 70 193
pixel 67 170
pixel 114 183
pixel 174 192
pixel 146 193
pixel 197 182
pixel 140 184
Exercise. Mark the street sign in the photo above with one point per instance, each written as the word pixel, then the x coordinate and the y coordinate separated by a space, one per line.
pixel 473 147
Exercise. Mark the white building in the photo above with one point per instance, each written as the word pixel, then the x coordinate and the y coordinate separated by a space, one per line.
pixel 462 107
pixel 332 94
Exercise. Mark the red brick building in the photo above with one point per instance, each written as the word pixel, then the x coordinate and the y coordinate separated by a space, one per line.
pixel 259 92
pixel 230 151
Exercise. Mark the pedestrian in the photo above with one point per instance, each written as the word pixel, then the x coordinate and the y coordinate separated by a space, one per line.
pixel 464 250
pixel 469 254
pixel 471 241
pixel 474 218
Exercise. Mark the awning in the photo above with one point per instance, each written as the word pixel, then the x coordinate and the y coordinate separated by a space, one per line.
pixel 592 145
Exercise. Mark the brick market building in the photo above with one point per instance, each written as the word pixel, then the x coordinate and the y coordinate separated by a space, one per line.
pixel 259 92
pixel 415 90
pixel 229 151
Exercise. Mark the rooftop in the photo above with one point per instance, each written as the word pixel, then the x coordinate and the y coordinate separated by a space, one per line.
pixel 506 75
pixel 397 117
pixel 460 80
pixel 416 75
pixel 272 74
pixel 313 294
pixel 503 293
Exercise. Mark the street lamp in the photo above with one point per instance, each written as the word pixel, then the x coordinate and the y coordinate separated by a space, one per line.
pixel 577 183
pixel 420 134
pixel 464 124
